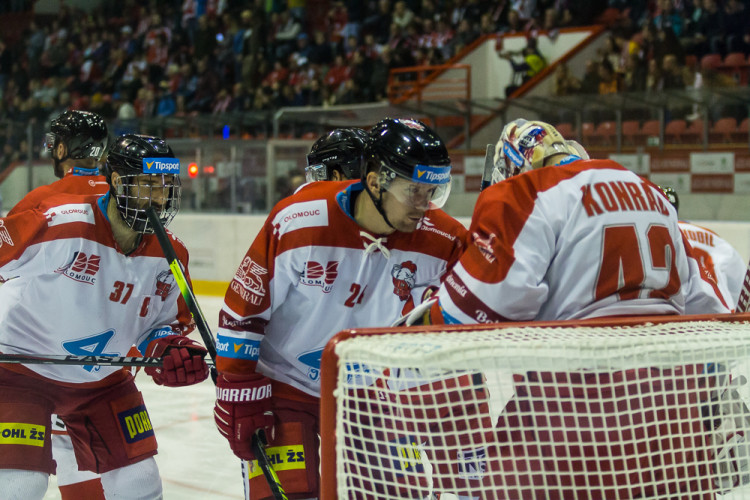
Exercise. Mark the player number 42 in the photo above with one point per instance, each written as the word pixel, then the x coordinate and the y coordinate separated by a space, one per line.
pixel 622 271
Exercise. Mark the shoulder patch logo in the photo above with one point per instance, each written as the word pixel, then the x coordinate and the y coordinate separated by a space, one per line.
pixel 248 281
pixel 74 212
pixel 299 216
pixel 164 284
pixel 5 235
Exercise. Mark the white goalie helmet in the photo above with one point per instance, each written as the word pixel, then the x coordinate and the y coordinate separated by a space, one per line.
pixel 526 145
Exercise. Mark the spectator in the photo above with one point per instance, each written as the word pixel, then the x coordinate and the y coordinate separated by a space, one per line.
pixel 286 36
pixel 653 76
pixel 634 74
pixel 563 82
pixel 402 15
pixel 591 78
pixel 166 106
pixel 672 73
pixel 608 81
pixel 380 22
pixel 321 52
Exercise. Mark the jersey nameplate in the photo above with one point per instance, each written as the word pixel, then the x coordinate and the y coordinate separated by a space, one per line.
pixel 74 212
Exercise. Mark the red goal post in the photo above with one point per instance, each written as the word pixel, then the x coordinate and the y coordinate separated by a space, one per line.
pixel 648 407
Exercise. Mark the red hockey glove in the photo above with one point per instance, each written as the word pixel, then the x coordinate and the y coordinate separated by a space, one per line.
pixel 183 361
pixel 243 405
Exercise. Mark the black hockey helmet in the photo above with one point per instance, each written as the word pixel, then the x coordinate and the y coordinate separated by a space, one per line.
pixel 671 195
pixel 342 149
pixel 132 157
pixel 410 150
pixel 83 133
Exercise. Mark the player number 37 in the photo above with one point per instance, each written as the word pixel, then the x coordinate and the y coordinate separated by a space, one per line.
pixel 622 271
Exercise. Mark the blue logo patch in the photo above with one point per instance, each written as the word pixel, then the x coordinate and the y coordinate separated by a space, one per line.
pixel 431 175
pixel 510 152
pixel 231 347
pixel 135 424
pixel 161 166
pixel 311 359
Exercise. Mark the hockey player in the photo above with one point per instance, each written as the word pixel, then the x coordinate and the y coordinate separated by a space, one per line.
pixel 325 261
pixel 337 156
pixel 558 237
pixel 77 142
pixel 715 255
pixel 84 275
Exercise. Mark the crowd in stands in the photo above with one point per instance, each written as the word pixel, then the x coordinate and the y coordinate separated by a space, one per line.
pixel 657 46
pixel 131 59
pixel 136 59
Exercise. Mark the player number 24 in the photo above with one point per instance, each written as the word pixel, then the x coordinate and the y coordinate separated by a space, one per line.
pixel 622 270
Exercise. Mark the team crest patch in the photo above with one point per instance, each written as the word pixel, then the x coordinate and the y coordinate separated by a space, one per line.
pixel 404 278
pixel 81 268
pixel 164 284
pixel 317 275
pixel 135 424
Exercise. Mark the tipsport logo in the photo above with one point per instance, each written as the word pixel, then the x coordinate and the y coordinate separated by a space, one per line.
pixel 431 175
pixel 161 166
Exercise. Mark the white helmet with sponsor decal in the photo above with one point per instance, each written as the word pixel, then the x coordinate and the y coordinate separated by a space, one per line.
pixel 527 145
pixel 147 174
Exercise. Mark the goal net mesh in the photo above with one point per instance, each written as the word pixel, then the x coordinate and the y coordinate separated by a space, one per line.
pixel 640 411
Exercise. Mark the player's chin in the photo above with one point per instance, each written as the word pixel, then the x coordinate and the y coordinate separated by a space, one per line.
pixel 409 224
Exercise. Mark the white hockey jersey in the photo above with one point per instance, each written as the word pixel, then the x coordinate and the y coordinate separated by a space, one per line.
pixel 312 272
pixel 69 290
pixel 581 240
pixel 718 258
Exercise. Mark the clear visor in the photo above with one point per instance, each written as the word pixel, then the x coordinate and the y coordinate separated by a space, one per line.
pixel 419 195
pixel 48 143
pixel 317 172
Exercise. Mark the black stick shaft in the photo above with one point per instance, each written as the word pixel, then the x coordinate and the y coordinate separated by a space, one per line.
pixel 79 360
pixel 179 276
pixel 489 165
pixel 208 339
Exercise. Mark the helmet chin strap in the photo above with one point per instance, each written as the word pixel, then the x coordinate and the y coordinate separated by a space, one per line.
pixel 379 205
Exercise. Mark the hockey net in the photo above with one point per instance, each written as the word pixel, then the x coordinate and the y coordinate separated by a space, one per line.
pixel 651 407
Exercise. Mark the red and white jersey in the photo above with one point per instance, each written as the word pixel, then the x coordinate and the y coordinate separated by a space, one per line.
pixel 69 290
pixel 580 240
pixel 718 258
pixel 76 181
pixel 312 271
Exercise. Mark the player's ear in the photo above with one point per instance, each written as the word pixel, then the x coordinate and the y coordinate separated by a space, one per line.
pixel 60 150
pixel 372 182
pixel 116 180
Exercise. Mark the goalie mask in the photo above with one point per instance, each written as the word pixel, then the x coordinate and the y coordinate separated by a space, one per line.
pixel 147 175
pixel 407 150
pixel 342 149
pixel 84 135
pixel 527 145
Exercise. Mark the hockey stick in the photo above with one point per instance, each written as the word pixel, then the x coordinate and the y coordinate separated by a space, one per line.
pixel 743 303
pixel 81 360
pixel 489 165
pixel 179 276
pixel 258 440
